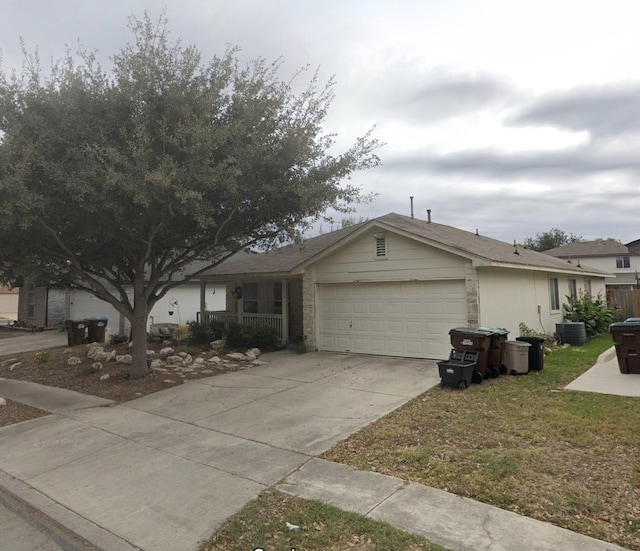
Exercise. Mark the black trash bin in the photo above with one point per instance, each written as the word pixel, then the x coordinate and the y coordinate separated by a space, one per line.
pixel 536 352
pixel 626 336
pixel 97 329
pixel 76 331
pixel 457 371
pixel 477 340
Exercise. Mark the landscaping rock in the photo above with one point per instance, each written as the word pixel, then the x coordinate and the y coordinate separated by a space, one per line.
pixel 3 402
pixel 214 360
pixel 175 360
pixel 151 353
pixel 155 364
pixel 199 362
pixel 188 359
pixel 219 344
pixel 96 365
pixel 74 360
pixel 166 352
pixel 104 377
pixel 237 356
pixel 256 352
pixel 124 359
pixel 15 366
pixel 5 363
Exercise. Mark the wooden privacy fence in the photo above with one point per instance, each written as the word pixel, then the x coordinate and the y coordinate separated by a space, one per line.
pixel 625 301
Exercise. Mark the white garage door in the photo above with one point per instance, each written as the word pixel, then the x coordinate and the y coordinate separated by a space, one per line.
pixel 409 319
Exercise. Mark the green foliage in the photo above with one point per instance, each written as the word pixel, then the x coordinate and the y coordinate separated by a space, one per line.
pixel 549 340
pixel 264 337
pixel 112 181
pixel 550 240
pixel 241 337
pixel 199 333
pixel 596 314
pixel 42 358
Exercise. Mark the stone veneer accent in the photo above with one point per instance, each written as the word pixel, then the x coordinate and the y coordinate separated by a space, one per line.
pixel 308 309
pixel 471 286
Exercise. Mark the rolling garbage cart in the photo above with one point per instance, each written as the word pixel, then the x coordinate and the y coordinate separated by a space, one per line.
pixel 96 329
pixel 626 337
pixel 516 357
pixel 488 342
pixel 536 352
pixel 457 371
pixel 76 332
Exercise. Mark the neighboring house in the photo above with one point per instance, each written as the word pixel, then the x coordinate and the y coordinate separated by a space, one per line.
pixel 8 304
pixel 49 306
pixel 608 255
pixel 395 286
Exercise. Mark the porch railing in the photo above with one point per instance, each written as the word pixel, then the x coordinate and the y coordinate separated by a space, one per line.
pixel 272 320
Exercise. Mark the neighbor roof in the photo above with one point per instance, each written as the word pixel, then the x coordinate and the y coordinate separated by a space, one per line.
pixel 480 249
pixel 599 247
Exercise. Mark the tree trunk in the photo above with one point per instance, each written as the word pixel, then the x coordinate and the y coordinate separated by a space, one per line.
pixel 139 336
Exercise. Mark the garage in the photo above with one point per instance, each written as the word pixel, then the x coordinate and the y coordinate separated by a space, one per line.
pixel 405 319
pixel 85 305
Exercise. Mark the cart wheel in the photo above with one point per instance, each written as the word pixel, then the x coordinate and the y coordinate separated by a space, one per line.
pixel 441 383
pixel 514 372
pixel 494 373
pixel 503 369
pixel 476 378
pixel 462 385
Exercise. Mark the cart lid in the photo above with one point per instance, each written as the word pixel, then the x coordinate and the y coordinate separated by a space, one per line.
pixel 471 331
pixel 500 331
pixel 626 325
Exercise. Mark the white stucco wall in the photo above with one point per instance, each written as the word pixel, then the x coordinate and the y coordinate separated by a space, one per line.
pixel 85 305
pixel 509 297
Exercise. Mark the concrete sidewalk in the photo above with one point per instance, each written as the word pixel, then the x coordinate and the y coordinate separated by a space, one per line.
pixel 605 378
pixel 164 471
pixel 447 519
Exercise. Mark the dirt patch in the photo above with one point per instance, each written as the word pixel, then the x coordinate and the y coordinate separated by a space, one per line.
pixel 15 412
pixel 111 380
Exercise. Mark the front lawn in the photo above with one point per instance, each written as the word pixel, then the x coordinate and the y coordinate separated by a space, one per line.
pixel 522 444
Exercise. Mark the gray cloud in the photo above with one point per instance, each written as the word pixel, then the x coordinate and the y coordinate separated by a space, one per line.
pixel 604 111
pixel 490 163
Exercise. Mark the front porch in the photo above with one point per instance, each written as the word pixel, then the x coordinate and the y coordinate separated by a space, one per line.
pixel 275 303
pixel 248 320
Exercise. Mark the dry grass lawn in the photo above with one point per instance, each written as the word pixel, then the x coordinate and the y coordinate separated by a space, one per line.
pixel 522 444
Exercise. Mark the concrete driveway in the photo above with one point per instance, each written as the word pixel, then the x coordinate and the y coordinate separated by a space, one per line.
pixel 164 471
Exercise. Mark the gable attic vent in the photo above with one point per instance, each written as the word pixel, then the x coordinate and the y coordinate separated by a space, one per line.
pixel 381 244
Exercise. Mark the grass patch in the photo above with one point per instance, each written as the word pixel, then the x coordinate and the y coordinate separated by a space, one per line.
pixel 261 525
pixel 520 443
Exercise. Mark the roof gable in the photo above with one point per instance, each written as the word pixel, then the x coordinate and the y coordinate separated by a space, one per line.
pixel 483 251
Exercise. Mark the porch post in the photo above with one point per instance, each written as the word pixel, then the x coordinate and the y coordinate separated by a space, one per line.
pixel 239 308
pixel 203 303
pixel 285 311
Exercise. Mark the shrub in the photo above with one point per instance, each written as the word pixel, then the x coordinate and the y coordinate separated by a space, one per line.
pixel 549 340
pixel 199 333
pixel 594 312
pixel 263 337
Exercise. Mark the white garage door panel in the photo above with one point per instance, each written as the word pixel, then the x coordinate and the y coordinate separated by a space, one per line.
pixel 410 319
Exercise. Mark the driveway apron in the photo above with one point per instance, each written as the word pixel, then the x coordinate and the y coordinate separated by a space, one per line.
pixel 164 471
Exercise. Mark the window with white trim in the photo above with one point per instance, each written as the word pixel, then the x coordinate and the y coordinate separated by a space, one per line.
pixel 554 294
pixel 623 262
pixel 587 286
pixel 250 298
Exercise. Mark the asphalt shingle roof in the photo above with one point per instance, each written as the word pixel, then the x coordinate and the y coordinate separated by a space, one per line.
pixel 484 250
pixel 600 247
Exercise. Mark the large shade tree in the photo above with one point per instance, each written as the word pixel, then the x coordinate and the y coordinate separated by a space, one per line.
pixel 113 181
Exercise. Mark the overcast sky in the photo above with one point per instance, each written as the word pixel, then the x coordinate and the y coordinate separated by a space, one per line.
pixel 510 117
